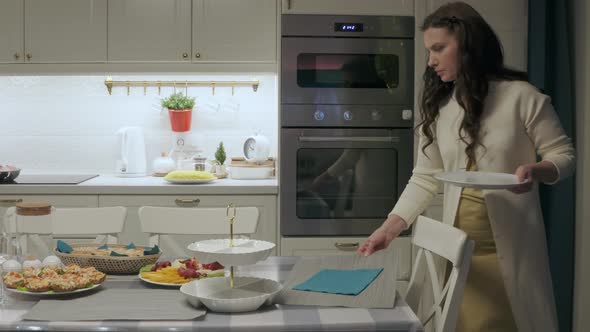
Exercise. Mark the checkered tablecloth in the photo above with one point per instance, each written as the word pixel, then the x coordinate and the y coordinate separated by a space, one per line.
pixel 270 318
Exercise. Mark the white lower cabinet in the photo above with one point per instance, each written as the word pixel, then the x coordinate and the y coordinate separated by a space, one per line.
pixel 266 204
pixel 300 246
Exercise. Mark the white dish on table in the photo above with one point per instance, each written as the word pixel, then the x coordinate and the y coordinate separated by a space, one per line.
pixel 248 294
pixel 167 284
pixel 244 251
pixel 190 181
pixel 479 180
pixel 51 293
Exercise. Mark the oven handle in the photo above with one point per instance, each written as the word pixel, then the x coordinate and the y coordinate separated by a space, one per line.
pixel 352 139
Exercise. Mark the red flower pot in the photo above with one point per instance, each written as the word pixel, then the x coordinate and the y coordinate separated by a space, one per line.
pixel 180 120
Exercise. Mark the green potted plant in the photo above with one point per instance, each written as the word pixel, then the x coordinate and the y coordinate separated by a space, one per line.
pixel 180 109
pixel 218 163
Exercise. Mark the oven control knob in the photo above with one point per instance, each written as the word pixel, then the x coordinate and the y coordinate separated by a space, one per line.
pixel 407 114
pixel 376 115
pixel 347 115
pixel 319 115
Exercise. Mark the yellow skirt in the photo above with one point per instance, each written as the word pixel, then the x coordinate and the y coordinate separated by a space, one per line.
pixel 485 306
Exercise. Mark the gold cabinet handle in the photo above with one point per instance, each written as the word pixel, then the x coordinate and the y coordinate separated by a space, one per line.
pixel 11 201
pixel 288 4
pixel 197 55
pixel 187 202
pixel 29 56
pixel 346 246
pixel 16 56
pixel 184 55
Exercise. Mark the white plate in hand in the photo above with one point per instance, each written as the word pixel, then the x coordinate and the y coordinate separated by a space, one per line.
pixel 479 180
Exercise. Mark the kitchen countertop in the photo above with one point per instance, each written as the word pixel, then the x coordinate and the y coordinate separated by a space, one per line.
pixel 148 185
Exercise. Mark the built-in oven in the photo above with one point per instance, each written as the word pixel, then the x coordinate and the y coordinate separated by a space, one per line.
pixel 341 181
pixel 362 60
pixel 346 121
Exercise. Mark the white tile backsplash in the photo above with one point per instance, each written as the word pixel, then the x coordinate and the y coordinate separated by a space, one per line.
pixel 67 124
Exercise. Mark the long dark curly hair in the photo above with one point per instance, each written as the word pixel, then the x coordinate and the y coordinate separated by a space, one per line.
pixel 481 60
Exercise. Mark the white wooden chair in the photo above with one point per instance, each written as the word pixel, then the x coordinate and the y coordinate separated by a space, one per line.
pixel 161 222
pixel 105 222
pixel 433 237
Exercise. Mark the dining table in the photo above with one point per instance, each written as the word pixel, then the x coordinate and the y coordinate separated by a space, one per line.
pixel 274 317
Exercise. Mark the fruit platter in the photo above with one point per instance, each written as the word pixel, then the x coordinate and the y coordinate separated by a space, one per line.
pixel 179 272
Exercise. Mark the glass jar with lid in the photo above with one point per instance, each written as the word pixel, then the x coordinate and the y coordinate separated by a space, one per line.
pixel 200 162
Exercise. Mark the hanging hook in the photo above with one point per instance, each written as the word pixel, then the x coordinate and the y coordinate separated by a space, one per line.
pixel 174 84
pixel 144 88
pixel 232 88
pixel 213 88
pixel 186 88
pixel 128 88
pixel 159 87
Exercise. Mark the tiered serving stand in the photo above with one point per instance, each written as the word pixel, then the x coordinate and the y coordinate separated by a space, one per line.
pixel 231 294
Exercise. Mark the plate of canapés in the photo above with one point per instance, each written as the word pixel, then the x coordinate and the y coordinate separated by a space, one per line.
pixel 179 272
pixel 51 279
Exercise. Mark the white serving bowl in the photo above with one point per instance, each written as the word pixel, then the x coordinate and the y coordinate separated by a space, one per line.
pixel 248 294
pixel 244 251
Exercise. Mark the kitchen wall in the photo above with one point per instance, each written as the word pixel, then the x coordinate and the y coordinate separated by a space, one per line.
pixel 64 124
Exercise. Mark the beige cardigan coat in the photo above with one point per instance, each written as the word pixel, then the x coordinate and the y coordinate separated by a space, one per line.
pixel 517 124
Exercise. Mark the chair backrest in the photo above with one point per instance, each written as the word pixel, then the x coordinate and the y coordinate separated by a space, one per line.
pixel 159 222
pixel 104 222
pixel 434 237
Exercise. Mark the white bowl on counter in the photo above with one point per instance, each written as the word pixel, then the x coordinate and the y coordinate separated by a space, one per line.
pixel 244 251
pixel 250 172
pixel 248 294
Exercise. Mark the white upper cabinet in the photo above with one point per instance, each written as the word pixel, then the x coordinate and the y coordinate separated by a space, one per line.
pixel 149 31
pixel 65 31
pixel 11 31
pixel 349 7
pixel 234 31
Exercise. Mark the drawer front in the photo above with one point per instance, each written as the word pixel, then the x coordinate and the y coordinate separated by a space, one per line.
pixel 346 245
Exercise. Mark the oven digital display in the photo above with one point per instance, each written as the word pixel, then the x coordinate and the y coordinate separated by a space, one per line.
pixel 348 27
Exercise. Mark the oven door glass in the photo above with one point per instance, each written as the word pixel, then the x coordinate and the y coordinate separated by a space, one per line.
pixel 353 183
pixel 351 71
pixel 341 181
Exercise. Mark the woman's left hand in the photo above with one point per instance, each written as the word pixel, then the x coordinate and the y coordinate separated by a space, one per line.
pixel 524 173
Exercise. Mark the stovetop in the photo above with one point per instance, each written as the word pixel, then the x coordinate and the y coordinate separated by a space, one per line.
pixel 51 179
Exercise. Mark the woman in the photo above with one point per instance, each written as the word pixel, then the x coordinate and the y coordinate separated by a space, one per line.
pixel 479 115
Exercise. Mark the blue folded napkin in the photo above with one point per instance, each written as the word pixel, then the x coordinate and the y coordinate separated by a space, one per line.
pixel 152 251
pixel 130 246
pixel 346 282
pixel 117 254
pixel 104 246
pixel 64 247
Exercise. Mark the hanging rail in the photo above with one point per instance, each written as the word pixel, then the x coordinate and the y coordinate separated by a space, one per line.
pixel 109 83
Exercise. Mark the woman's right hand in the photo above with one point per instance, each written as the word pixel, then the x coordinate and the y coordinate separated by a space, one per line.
pixel 382 236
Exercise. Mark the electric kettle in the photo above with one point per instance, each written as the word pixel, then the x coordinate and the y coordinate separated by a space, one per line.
pixel 131 160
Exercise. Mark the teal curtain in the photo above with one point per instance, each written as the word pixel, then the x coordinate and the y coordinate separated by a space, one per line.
pixel 550 70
